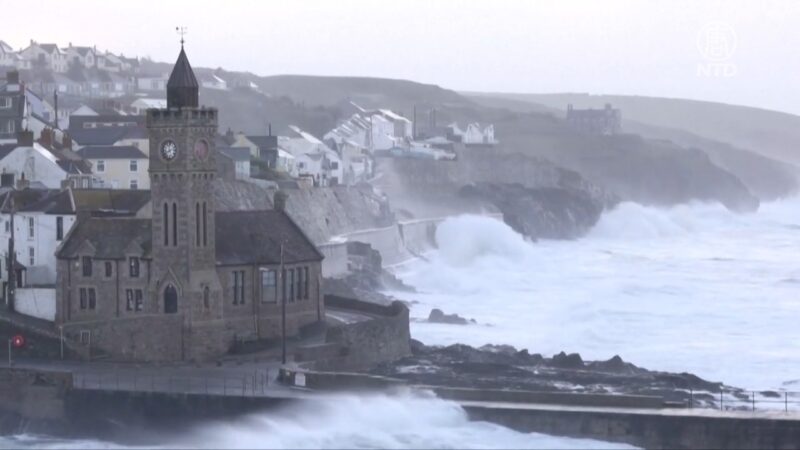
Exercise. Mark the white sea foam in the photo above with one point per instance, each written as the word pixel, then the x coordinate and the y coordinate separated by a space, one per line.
pixel 348 421
pixel 690 288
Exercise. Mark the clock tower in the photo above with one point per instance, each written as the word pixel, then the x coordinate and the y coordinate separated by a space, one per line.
pixel 182 171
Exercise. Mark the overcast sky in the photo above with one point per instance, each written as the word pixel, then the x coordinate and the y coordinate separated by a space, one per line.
pixel 741 52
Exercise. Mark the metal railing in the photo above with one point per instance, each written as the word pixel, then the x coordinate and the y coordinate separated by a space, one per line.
pixel 255 384
pixel 738 400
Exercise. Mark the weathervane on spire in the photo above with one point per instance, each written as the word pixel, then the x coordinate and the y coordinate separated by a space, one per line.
pixel 182 31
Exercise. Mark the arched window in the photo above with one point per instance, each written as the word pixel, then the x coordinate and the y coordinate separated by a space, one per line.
pixel 170 300
pixel 205 223
pixel 166 225
pixel 174 224
pixel 197 223
pixel 206 297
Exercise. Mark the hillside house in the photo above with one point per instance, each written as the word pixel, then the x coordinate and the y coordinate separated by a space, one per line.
pixel 604 121
pixel 45 56
pixel 118 166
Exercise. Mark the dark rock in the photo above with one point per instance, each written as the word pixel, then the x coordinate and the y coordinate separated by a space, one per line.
pixel 543 212
pixel 438 316
pixel 564 361
pixel 417 347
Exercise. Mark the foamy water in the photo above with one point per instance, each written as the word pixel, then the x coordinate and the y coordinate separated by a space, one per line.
pixel 346 421
pixel 691 288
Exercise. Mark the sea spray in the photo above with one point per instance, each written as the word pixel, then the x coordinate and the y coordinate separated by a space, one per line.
pixel 689 288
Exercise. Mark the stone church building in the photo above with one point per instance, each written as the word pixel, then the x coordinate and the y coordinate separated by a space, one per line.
pixel 179 280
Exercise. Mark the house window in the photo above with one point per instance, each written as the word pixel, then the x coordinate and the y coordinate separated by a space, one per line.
pixel 134 299
pixel 59 228
pixel 134 184
pixel 88 298
pixel 305 283
pixel 133 267
pixel 5 102
pixel 86 263
pixel 31 258
pixel 134 165
pixel 109 269
pixel 291 285
pixel 30 227
pixel 101 166
pixel 299 279
pixel 269 286
pixel 238 287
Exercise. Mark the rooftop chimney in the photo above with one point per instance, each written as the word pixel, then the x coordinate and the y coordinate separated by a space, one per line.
pixel 22 183
pixel 25 138
pixel 279 200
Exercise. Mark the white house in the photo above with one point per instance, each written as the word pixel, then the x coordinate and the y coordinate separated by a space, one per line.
pixel 313 158
pixel 149 83
pixel 118 166
pixel 10 58
pixel 34 163
pixel 47 56
pixel 212 81
pixel 83 56
pixel 241 160
pixel 141 105
pixel 474 134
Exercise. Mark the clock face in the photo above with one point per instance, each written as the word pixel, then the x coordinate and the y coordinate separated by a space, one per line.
pixel 201 149
pixel 169 150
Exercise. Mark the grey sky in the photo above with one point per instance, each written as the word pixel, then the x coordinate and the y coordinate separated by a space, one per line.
pixel 599 46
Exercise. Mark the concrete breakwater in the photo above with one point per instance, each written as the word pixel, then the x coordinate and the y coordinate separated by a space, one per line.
pixel 52 402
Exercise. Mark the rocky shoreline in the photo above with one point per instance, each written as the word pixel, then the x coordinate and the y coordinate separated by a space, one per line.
pixel 505 367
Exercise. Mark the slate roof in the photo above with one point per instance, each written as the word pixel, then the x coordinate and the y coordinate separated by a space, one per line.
pixel 268 142
pixel 111 152
pixel 53 202
pixel 110 237
pixel 98 136
pixel 182 75
pixel 28 199
pixel 235 153
pixel 119 200
pixel 5 149
pixel 242 237
pixel 253 237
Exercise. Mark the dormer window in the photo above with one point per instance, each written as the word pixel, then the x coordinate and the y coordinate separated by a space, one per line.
pixel 133 267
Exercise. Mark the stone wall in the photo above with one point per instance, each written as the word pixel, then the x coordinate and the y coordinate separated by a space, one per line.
pixel 386 337
pixel 328 212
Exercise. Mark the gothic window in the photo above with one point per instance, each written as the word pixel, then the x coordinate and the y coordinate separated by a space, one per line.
pixel 206 297
pixel 139 299
pixel 238 287
pixel 83 296
pixel 205 222
pixel 174 224
pixel 269 286
pixel 133 267
pixel 197 223
pixel 86 265
pixel 166 225
pixel 170 300
pixel 129 300
pixel 109 269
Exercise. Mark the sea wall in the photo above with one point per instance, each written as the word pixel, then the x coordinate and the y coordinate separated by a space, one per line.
pixel 361 344
pixel 36 302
